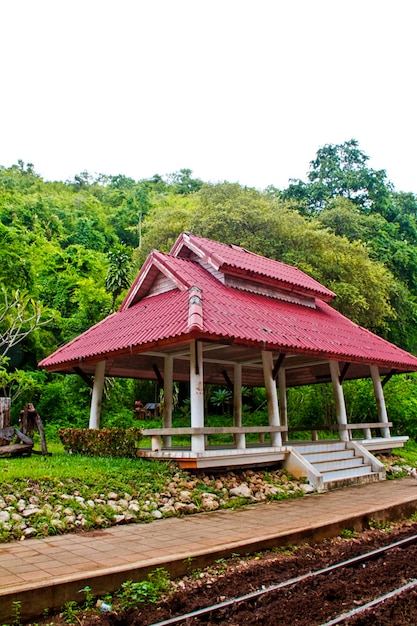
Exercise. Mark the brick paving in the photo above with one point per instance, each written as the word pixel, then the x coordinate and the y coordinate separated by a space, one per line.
pixel 42 573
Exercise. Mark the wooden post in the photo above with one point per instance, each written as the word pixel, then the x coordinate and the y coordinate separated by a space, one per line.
pixel 271 395
pixel 4 416
pixel 168 385
pixel 197 394
pixel 240 439
pixel 5 412
pixel 380 400
pixel 97 397
pixel 283 414
pixel 339 400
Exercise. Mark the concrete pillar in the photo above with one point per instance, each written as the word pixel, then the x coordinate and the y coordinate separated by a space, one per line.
pixel 237 405
pixel 339 399
pixel 283 404
pixel 271 396
pixel 168 386
pixel 380 400
pixel 97 397
pixel 196 394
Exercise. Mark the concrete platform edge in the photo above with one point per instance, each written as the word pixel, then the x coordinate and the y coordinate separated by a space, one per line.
pixel 54 595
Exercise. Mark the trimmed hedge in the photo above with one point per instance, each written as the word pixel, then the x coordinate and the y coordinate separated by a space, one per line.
pixel 120 442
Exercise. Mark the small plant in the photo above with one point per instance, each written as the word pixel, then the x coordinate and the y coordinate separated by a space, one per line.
pixel 16 613
pixel 347 533
pixel 134 593
pixel 196 573
pixel 380 525
pixel 286 550
pixel 70 611
pixel 189 561
pixel 89 597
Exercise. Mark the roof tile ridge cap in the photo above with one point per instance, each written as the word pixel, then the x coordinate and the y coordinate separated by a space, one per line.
pixel 195 309
pixel 203 245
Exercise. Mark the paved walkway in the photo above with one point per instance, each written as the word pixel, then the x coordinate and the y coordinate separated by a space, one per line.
pixel 42 573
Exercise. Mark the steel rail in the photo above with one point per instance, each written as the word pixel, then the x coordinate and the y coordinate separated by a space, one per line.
pixel 369 605
pixel 287 583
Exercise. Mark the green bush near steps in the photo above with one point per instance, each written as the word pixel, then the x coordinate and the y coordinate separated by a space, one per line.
pixel 116 442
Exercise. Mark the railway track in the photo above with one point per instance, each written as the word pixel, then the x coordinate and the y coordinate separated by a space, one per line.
pixel 360 573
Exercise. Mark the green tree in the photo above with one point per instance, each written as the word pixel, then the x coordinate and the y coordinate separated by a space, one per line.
pixel 119 274
pixel 342 170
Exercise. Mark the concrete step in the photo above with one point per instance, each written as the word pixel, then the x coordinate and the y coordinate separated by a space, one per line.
pixel 343 474
pixel 339 464
pixel 316 446
pixel 317 457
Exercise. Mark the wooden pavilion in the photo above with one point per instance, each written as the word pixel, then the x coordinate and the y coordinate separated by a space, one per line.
pixel 211 313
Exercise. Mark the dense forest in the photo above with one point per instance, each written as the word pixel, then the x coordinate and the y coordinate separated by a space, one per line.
pixel 69 250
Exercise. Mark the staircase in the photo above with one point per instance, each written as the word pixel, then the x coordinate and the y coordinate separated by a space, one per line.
pixel 333 464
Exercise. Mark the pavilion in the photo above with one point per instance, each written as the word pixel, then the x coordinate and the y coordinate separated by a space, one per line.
pixel 212 313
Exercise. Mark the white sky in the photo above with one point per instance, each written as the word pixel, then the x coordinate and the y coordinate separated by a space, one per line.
pixel 236 90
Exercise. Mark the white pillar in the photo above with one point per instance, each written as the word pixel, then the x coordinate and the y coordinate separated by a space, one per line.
pixel 380 400
pixel 282 386
pixel 97 397
pixel 196 394
pixel 168 382
pixel 237 405
pixel 271 395
pixel 339 400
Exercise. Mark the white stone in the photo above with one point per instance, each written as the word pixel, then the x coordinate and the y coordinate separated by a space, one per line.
pixel 114 505
pixel 31 510
pixel 307 488
pixel 167 509
pixel 4 516
pixel 157 514
pixel 242 491
pixel 185 496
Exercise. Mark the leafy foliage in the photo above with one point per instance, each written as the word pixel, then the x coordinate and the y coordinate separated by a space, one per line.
pixel 69 249
pixel 118 442
pixel 133 593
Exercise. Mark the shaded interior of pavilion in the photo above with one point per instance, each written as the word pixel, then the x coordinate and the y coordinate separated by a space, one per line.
pixel 202 363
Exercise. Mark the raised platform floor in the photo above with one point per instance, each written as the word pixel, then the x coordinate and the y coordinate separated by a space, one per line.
pixel 255 454
pixel 47 573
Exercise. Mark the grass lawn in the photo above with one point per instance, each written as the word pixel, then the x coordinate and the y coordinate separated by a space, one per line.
pixel 61 493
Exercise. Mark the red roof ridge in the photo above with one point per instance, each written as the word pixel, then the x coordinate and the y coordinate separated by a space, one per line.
pixel 238 261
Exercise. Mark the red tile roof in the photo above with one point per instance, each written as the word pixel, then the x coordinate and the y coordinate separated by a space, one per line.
pixel 236 260
pixel 226 313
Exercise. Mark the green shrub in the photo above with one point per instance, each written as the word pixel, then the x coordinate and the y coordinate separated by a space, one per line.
pixel 150 590
pixel 119 442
